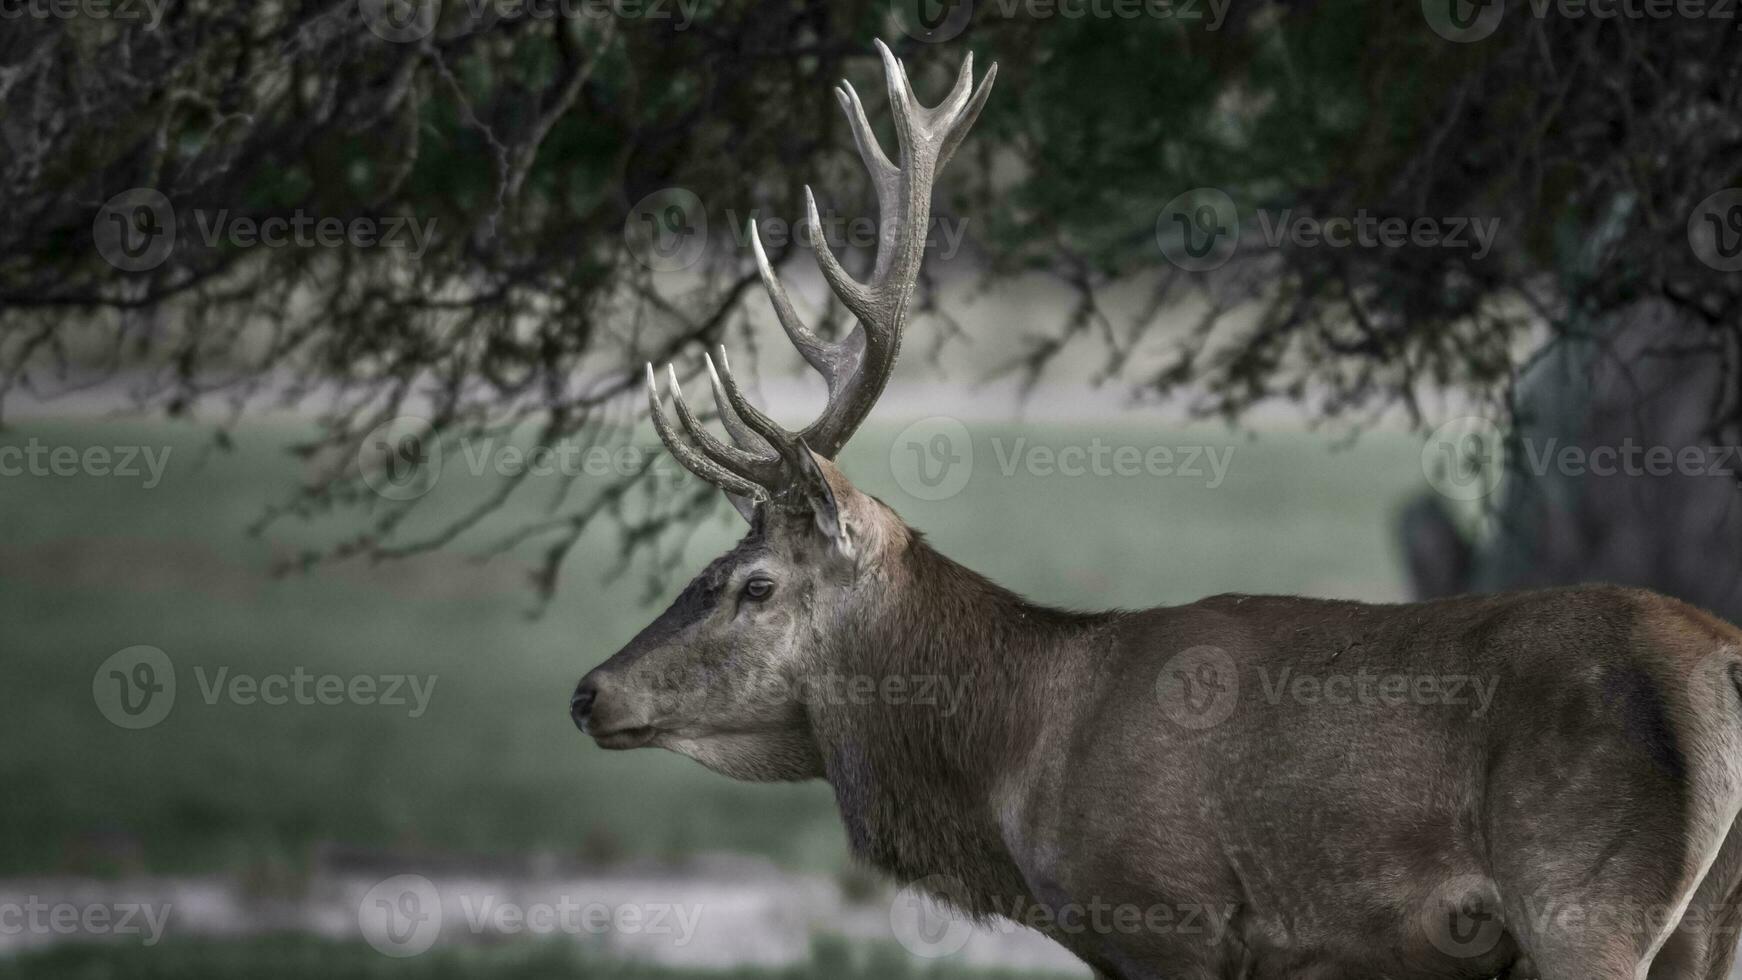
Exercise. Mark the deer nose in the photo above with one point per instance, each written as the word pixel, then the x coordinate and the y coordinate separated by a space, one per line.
pixel 581 704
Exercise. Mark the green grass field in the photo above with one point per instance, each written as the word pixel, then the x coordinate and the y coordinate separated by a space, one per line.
pixel 89 566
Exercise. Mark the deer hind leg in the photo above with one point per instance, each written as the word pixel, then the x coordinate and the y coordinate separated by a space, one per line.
pixel 1599 889
pixel 1591 856
pixel 1626 822
pixel 1703 944
pixel 1721 943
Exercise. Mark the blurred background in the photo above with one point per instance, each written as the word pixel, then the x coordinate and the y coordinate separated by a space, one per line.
pixel 325 469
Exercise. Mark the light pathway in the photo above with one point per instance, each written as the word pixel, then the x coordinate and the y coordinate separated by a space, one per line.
pixel 732 913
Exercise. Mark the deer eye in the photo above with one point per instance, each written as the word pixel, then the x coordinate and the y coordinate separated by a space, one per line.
pixel 758 588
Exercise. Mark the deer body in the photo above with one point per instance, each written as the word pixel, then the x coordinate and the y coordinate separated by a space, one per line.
pixel 1527 784
pixel 1298 838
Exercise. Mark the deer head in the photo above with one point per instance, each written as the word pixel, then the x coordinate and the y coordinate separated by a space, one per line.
pixel 713 677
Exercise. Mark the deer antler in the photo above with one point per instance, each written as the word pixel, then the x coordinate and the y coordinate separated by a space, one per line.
pixel 759 464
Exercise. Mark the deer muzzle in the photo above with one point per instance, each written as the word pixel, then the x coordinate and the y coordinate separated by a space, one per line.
pixel 613 716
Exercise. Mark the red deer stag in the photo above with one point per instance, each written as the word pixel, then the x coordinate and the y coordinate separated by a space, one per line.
pixel 1523 784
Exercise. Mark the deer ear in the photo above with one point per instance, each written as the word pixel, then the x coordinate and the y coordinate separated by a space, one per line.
pixel 825 509
pixel 745 507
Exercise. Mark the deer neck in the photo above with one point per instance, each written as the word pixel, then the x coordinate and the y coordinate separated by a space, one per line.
pixel 962 668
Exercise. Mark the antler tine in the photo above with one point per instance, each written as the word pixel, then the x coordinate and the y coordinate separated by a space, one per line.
pixel 968 115
pixel 818 353
pixel 743 435
pixel 752 417
pixel 748 465
pixel 693 461
pixel 959 92
pixel 855 295
pixel 870 150
pixel 902 103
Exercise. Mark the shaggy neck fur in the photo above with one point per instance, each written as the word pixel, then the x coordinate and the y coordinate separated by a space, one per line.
pixel 915 782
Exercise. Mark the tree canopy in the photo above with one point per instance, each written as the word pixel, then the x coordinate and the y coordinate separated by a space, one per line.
pixel 473 199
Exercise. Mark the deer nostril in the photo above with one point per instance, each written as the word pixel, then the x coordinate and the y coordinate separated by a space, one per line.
pixel 581 705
